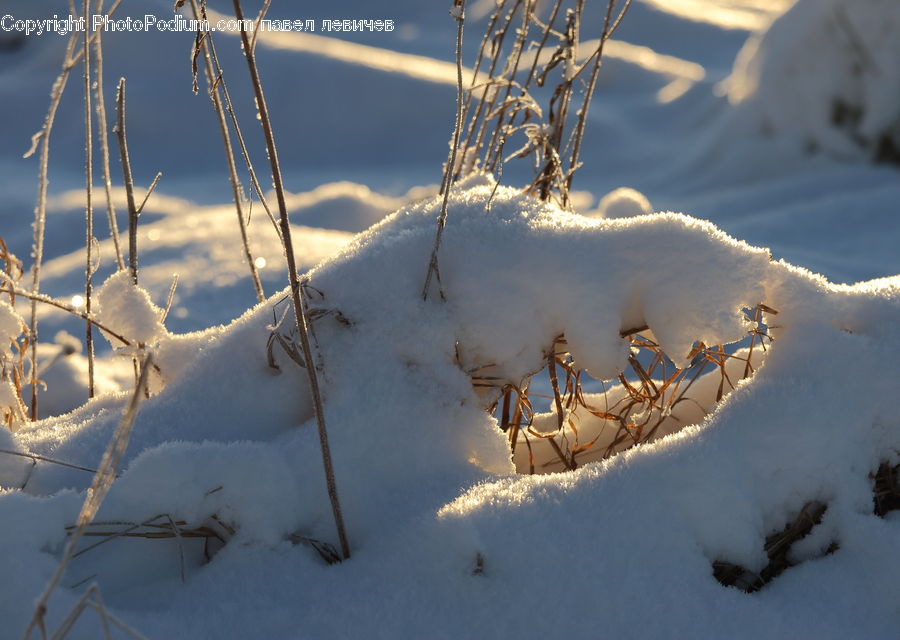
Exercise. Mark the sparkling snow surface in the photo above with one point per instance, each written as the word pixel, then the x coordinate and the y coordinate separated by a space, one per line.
pixel 448 541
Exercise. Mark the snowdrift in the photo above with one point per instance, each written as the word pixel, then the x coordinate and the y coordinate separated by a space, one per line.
pixel 438 521
pixel 827 73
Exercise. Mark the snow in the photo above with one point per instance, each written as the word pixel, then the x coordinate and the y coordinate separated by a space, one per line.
pixel 400 480
pixel 622 203
pixel 126 309
pixel 822 73
pixel 450 538
pixel 11 325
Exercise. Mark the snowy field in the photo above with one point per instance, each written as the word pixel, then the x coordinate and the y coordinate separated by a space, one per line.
pixel 762 501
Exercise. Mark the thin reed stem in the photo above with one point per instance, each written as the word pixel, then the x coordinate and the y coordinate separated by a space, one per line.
pixel 40 212
pixel 433 271
pixel 128 179
pixel 103 479
pixel 578 133
pixel 236 189
pixel 104 142
pixel 89 204
pixel 229 107
pixel 297 295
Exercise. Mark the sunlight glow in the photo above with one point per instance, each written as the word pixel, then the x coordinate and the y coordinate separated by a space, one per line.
pixel 77 301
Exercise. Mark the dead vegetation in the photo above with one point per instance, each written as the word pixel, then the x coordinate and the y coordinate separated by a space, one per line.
pixel 528 47
pixel 777 547
pixel 886 489
pixel 643 403
pixel 530 51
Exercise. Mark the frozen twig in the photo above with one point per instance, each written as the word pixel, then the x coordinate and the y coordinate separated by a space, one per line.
pixel 42 137
pixel 129 181
pixel 459 14
pixel 236 189
pixel 297 294
pixel 89 204
pixel 104 140
pixel 103 479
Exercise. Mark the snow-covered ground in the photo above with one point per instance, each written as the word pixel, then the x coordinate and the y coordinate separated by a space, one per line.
pixel 701 108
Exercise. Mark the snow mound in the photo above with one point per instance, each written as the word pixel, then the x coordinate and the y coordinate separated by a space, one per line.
pixel 828 73
pixel 623 202
pixel 425 475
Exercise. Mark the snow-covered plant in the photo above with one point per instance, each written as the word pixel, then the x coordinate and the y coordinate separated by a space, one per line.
pixel 649 399
pixel 124 310
pixel 13 345
pixel 12 328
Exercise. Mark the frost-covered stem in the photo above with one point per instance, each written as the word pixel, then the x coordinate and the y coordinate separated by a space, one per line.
pixel 149 192
pixel 553 165
pixel 578 135
pixel 259 19
pixel 486 104
pixel 459 7
pixel 300 311
pixel 39 297
pixel 236 189
pixel 104 142
pixel 129 181
pixel 497 163
pixel 470 130
pixel 229 107
pixel 515 57
pixel 89 205
pixel 40 212
pixel 103 479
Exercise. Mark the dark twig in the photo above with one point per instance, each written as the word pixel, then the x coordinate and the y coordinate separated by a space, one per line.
pixel 89 205
pixel 297 294
pixel 129 182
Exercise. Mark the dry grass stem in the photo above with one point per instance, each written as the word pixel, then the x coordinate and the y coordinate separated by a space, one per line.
pixel 459 8
pixel 89 204
pixel 297 292
pixel 128 180
pixel 10 288
pixel 650 390
pixel 206 40
pixel 104 140
pixel 236 189
pixel 103 479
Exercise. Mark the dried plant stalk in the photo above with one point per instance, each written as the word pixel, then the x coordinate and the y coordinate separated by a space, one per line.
pixel 459 8
pixel 498 113
pixel 229 108
pixel 40 212
pixel 297 294
pixel 128 179
pixel 104 141
pixel 649 395
pixel 89 204
pixel 103 479
pixel 236 189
